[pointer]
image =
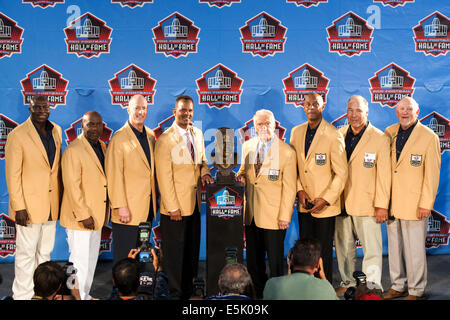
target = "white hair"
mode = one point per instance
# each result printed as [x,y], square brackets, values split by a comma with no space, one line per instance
[411,100]
[265,112]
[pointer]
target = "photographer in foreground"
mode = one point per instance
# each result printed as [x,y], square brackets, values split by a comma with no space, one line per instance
[133,283]
[300,284]
[234,283]
[51,283]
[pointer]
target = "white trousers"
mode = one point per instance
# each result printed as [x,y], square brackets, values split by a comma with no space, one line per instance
[34,244]
[368,232]
[84,247]
[407,255]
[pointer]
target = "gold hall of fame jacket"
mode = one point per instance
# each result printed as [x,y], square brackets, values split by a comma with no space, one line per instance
[85,186]
[131,179]
[323,171]
[269,196]
[369,173]
[32,184]
[179,177]
[415,176]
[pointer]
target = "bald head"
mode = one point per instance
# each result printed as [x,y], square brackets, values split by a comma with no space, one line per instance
[92,126]
[407,111]
[137,111]
[357,112]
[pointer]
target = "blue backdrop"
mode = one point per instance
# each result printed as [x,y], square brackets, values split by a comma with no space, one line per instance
[233,57]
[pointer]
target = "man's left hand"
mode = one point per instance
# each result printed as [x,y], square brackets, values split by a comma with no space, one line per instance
[319,204]
[423,213]
[283,225]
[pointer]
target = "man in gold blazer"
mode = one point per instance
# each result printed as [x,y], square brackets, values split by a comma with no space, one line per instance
[85,205]
[182,169]
[130,172]
[416,163]
[269,172]
[322,168]
[365,198]
[33,177]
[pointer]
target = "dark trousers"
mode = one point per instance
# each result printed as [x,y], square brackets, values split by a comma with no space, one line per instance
[180,245]
[321,229]
[125,238]
[258,242]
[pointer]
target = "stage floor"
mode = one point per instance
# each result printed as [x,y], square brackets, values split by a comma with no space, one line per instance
[438,287]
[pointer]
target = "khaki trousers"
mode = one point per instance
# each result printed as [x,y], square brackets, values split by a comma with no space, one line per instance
[34,244]
[368,232]
[407,255]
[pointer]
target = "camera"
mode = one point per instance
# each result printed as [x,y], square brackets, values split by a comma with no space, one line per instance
[69,279]
[362,291]
[231,255]
[199,288]
[145,247]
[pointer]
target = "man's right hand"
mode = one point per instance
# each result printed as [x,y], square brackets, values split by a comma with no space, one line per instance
[175,215]
[22,218]
[124,215]
[302,196]
[88,223]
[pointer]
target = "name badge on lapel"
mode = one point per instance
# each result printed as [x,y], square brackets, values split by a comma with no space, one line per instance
[274,174]
[416,160]
[369,160]
[321,159]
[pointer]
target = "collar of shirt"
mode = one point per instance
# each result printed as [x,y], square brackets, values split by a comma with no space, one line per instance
[137,132]
[407,131]
[48,127]
[183,132]
[359,134]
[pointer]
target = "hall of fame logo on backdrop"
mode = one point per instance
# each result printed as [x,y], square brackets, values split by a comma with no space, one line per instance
[75,130]
[350,35]
[130,81]
[176,36]
[43,3]
[440,125]
[219,87]
[302,81]
[432,36]
[163,126]
[263,35]
[248,131]
[219,3]
[438,230]
[307,3]
[88,36]
[10,36]
[47,82]
[390,85]
[7,236]
[340,122]
[225,203]
[393,3]
[132,3]
[6,126]
[106,240]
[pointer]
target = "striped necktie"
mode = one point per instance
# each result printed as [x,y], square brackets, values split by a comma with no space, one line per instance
[259,160]
[190,146]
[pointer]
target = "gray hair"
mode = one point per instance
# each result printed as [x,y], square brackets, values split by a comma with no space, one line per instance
[235,279]
[359,98]
[265,112]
